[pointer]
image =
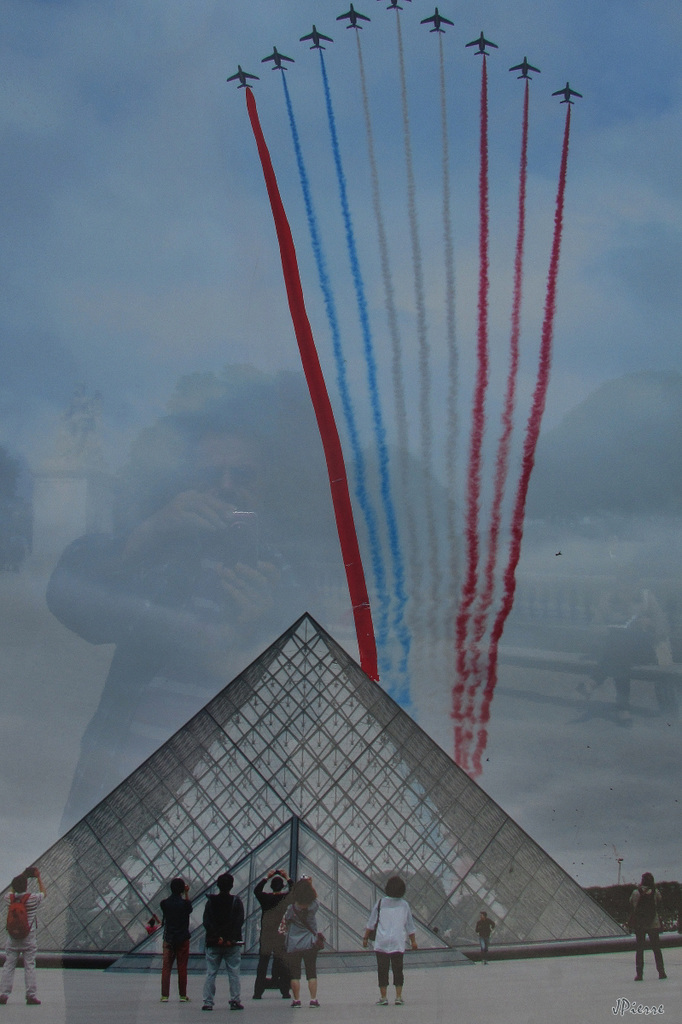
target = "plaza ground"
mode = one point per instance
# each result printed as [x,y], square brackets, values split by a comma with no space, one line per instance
[552,990]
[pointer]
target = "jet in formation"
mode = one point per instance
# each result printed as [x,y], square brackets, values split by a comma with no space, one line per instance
[481,43]
[242,76]
[277,58]
[524,67]
[567,92]
[316,36]
[353,16]
[437,20]
[395,6]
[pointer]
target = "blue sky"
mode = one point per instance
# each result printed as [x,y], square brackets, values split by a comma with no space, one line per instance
[138,243]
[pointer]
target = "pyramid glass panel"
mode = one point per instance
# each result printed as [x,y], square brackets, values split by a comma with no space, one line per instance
[303,734]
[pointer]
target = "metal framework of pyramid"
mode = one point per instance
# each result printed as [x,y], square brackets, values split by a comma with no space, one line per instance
[303,734]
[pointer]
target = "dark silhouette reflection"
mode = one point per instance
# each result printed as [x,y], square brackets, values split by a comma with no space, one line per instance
[224,526]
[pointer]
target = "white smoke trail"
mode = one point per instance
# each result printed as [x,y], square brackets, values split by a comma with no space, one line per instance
[453,362]
[424,359]
[414,562]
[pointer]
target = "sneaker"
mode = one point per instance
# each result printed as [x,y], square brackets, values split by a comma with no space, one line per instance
[235,1004]
[381,1002]
[32,1001]
[3,999]
[207,1006]
[638,977]
[662,975]
[400,1001]
[184,999]
[163,999]
[295,1002]
[314,1002]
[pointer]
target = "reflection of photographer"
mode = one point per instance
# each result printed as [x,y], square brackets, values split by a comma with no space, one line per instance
[22,908]
[193,584]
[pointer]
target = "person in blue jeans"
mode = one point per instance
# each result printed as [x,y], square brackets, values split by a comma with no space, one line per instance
[223,921]
[484,927]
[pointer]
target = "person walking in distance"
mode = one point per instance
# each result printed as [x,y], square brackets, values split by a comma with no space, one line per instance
[644,920]
[22,935]
[176,910]
[484,927]
[223,920]
[391,923]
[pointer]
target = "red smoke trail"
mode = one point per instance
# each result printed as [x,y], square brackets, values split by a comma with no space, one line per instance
[323,411]
[504,447]
[477,427]
[528,460]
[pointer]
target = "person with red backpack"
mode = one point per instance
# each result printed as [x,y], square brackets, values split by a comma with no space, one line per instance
[22,935]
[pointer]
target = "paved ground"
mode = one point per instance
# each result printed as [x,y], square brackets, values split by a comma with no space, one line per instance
[566,990]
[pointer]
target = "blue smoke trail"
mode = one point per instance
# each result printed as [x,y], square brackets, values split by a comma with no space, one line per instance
[399,623]
[378,567]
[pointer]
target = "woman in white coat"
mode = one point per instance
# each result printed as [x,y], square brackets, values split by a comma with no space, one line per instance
[392,918]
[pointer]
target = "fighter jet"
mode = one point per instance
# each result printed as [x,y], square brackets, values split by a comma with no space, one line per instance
[353,16]
[524,67]
[481,43]
[242,76]
[316,36]
[437,20]
[567,92]
[395,6]
[277,57]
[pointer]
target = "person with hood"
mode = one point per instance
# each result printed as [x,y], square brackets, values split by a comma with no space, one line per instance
[644,920]
[223,921]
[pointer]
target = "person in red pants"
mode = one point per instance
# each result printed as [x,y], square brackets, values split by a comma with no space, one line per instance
[176,910]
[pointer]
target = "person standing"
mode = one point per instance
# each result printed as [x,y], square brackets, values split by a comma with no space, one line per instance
[484,927]
[271,941]
[223,921]
[22,934]
[644,920]
[176,910]
[301,943]
[392,918]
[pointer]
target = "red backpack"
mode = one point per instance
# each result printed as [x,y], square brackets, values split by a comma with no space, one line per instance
[18,925]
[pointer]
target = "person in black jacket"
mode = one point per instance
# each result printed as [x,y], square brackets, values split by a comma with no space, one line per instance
[272,904]
[645,901]
[223,920]
[176,910]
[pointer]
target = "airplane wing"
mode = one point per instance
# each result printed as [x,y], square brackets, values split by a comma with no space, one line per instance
[432,18]
[241,75]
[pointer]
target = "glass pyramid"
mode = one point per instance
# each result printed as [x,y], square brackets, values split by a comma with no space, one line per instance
[303,734]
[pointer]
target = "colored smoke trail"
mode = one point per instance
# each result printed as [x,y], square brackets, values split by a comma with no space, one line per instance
[424,355]
[473,496]
[528,459]
[396,349]
[369,513]
[504,446]
[453,355]
[336,469]
[375,401]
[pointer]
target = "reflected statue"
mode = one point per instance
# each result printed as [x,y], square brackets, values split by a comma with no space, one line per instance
[79,443]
